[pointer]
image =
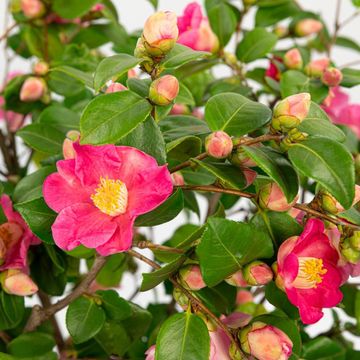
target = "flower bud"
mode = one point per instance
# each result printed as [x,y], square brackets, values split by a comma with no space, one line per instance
[68,149]
[281,31]
[355,240]
[181,298]
[32,9]
[237,279]
[98,7]
[180,109]
[150,353]
[16,282]
[240,158]
[291,111]
[191,278]
[160,33]
[41,68]
[316,68]
[10,234]
[250,176]
[164,90]
[293,59]
[177,179]
[332,77]
[115,87]
[243,297]
[308,27]
[257,273]
[348,252]
[331,205]
[218,145]
[271,197]
[33,89]
[264,341]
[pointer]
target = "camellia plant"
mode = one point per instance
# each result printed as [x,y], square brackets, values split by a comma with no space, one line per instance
[97,150]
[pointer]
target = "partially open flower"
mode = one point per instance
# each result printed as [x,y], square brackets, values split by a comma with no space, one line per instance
[191,278]
[316,68]
[219,145]
[308,27]
[257,273]
[16,282]
[33,89]
[68,149]
[332,76]
[115,87]
[32,8]
[293,59]
[163,91]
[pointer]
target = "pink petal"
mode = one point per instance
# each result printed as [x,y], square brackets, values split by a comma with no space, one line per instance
[310,315]
[189,38]
[290,269]
[286,248]
[82,224]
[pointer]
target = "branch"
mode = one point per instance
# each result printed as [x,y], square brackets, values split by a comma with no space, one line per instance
[7,32]
[150,245]
[39,314]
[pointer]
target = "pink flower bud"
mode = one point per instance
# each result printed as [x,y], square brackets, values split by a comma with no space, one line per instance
[16,282]
[281,31]
[177,179]
[160,33]
[308,27]
[191,278]
[41,68]
[237,279]
[164,90]
[132,74]
[218,145]
[68,149]
[265,342]
[257,273]
[115,87]
[150,353]
[271,197]
[316,67]
[331,205]
[243,297]
[33,89]
[250,176]
[10,235]
[293,59]
[240,158]
[32,8]
[332,77]
[289,112]
[98,7]
[180,109]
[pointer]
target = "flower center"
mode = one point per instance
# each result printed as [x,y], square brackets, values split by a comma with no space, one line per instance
[111,197]
[311,271]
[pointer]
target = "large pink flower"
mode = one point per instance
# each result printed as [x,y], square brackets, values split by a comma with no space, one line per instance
[99,194]
[15,238]
[307,270]
[195,31]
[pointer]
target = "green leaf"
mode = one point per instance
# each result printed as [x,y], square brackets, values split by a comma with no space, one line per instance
[356,3]
[150,280]
[84,319]
[31,344]
[110,117]
[181,55]
[112,68]
[277,167]
[39,217]
[43,138]
[347,42]
[182,149]
[255,45]
[111,273]
[115,307]
[235,114]
[183,337]
[351,77]
[12,310]
[352,215]
[323,348]
[60,118]
[267,16]
[329,163]
[73,9]
[154,3]
[222,254]
[165,212]
[81,76]
[185,96]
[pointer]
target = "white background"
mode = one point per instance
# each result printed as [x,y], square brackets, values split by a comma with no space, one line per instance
[133,14]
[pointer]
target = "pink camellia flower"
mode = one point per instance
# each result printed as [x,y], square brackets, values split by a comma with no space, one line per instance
[68,149]
[271,197]
[308,27]
[15,238]
[191,278]
[293,59]
[273,70]
[160,33]
[150,353]
[265,342]
[316,68]
[195,31]
[291,111]
[218,145]
[163,91]
[33,89]
[257,273]
[332,76]
[17,282]
[32,8]
[99,194]
[115,87]
[308,272]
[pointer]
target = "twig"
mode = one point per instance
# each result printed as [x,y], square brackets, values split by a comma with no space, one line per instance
[351,63]
[7,31]
[349,19]
[188,163]
[336,25]
[39,314]
[150,245]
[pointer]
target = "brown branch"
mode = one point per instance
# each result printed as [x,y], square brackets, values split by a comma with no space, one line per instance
[7,32]
[39,314]
[349,19]
[188,163]
[336,25]
[150,245]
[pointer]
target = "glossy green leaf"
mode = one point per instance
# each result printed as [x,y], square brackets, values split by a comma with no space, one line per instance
[112,68]
[351,77]
[235,114]
[183,337]
[73,9]
[60,118]
[116,308]
[180,55]
[267,16]
[255,45]
[12,310]
[183,148]
[352,215]
[110,117]
[31,344]
[221,253]
[329,163]
[347,42]
[81,76]
[323,348]
[185,96]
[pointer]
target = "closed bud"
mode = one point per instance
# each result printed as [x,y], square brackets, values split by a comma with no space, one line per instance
[16,282]
[98,7]
[41,68]
[163,91]
[33,89]
[235,353]
[316,68]
[308,27]
[160,33]
[177,179]
[331,205]
[355,240]
[150,353]
[240,158]
[32,9]
[293,59]
[237,279]
[115,87]
[281,31]
[181,298]
[250,176]
[348,252]
[291,111]
[191,278]
[271,197]
[68,149]
[180,109]
[264,341]
[244,297]
[218,145]
[257,273]
[332,77]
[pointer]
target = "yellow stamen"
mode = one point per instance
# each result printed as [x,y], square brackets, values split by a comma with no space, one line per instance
[111,197]
[311,271]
